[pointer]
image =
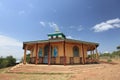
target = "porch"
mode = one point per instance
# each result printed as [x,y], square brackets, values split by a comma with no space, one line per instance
[60,60]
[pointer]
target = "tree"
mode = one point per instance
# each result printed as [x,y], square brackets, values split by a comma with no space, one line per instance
[118,47]
[11,60]
[8,61]
[28,58]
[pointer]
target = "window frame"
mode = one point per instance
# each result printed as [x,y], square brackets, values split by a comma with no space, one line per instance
[41,52]
[75,51]
[53,54]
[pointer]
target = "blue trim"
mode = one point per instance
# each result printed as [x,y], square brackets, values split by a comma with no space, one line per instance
[55,54]
[40,52]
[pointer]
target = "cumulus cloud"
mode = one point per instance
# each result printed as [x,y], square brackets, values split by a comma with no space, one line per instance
[106,52]
[72,27]
[69,37]
[54,25]
[104,26]
[43,23]
[50,24]
[10,46]
[8,41]
[78,28]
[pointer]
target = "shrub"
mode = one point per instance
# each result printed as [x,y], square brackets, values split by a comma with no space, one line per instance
[109,60]
[8,61]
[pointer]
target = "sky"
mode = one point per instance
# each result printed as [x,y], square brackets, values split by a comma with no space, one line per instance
[86,20]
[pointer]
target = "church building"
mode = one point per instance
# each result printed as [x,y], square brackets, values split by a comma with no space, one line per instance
[60,50]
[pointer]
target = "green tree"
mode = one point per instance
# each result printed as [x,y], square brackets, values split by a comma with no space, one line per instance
[28,58]
[11,60]
[4,63]
[118,47]
[8,61]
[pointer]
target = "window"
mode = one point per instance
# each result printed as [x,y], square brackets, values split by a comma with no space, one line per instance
[40,52]
[49,37]
[54,36]
[59,36]
[55,52]
[75,51]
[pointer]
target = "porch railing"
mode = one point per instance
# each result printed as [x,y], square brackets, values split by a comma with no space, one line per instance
[72,60]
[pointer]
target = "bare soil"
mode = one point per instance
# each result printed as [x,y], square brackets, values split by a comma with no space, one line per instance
[102,71]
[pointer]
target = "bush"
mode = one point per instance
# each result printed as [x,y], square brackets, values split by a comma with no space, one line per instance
[28,58]
[109,60]
[11,60]
[8,61]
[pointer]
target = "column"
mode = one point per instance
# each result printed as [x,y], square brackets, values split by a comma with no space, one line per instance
[49,54]
[25,50]
[96,52]
[91,54]
[64,54]
[36,61]
[83,58]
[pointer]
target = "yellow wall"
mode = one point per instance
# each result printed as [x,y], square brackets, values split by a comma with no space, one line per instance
[68,51]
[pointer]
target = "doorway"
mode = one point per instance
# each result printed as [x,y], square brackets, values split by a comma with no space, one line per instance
[46,52]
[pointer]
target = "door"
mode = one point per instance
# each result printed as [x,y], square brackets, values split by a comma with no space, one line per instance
[46,51]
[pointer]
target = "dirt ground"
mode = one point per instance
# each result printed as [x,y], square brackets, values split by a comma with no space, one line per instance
[103,71]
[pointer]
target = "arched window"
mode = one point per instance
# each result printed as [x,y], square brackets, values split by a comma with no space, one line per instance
[55,52]
[40,52]
[75,51]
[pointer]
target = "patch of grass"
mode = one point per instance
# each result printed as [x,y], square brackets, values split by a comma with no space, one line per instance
[4,70]
[44,73]
[109,60]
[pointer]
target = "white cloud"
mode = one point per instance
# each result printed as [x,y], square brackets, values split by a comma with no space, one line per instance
[54,25]
[43,23]
[69,37]
[50,24]
[80,28]
[106,52]
[21,12]
[104,26]
[71,27]
[8,41]
[10,46]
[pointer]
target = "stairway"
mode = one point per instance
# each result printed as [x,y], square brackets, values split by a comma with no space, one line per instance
[32,68]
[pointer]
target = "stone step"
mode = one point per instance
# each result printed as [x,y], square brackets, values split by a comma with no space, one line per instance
[40,69]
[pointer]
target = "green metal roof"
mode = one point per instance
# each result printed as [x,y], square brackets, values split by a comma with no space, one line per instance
[56,34]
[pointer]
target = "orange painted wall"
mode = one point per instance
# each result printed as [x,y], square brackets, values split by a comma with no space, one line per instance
[68,51]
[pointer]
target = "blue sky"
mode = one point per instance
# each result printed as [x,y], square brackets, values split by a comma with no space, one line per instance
[87,20]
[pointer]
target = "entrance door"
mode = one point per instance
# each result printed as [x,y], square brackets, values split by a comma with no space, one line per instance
[46,51]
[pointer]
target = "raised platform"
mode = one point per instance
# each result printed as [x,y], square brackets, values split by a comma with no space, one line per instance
[32,68]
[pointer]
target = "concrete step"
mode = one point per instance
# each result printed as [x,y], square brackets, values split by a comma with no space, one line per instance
[40,68]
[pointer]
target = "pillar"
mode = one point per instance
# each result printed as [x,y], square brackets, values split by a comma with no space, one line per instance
[64,54]
[36,61]
[91,54]
[25,50]
[49,55]
[83,57]
[96,52]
